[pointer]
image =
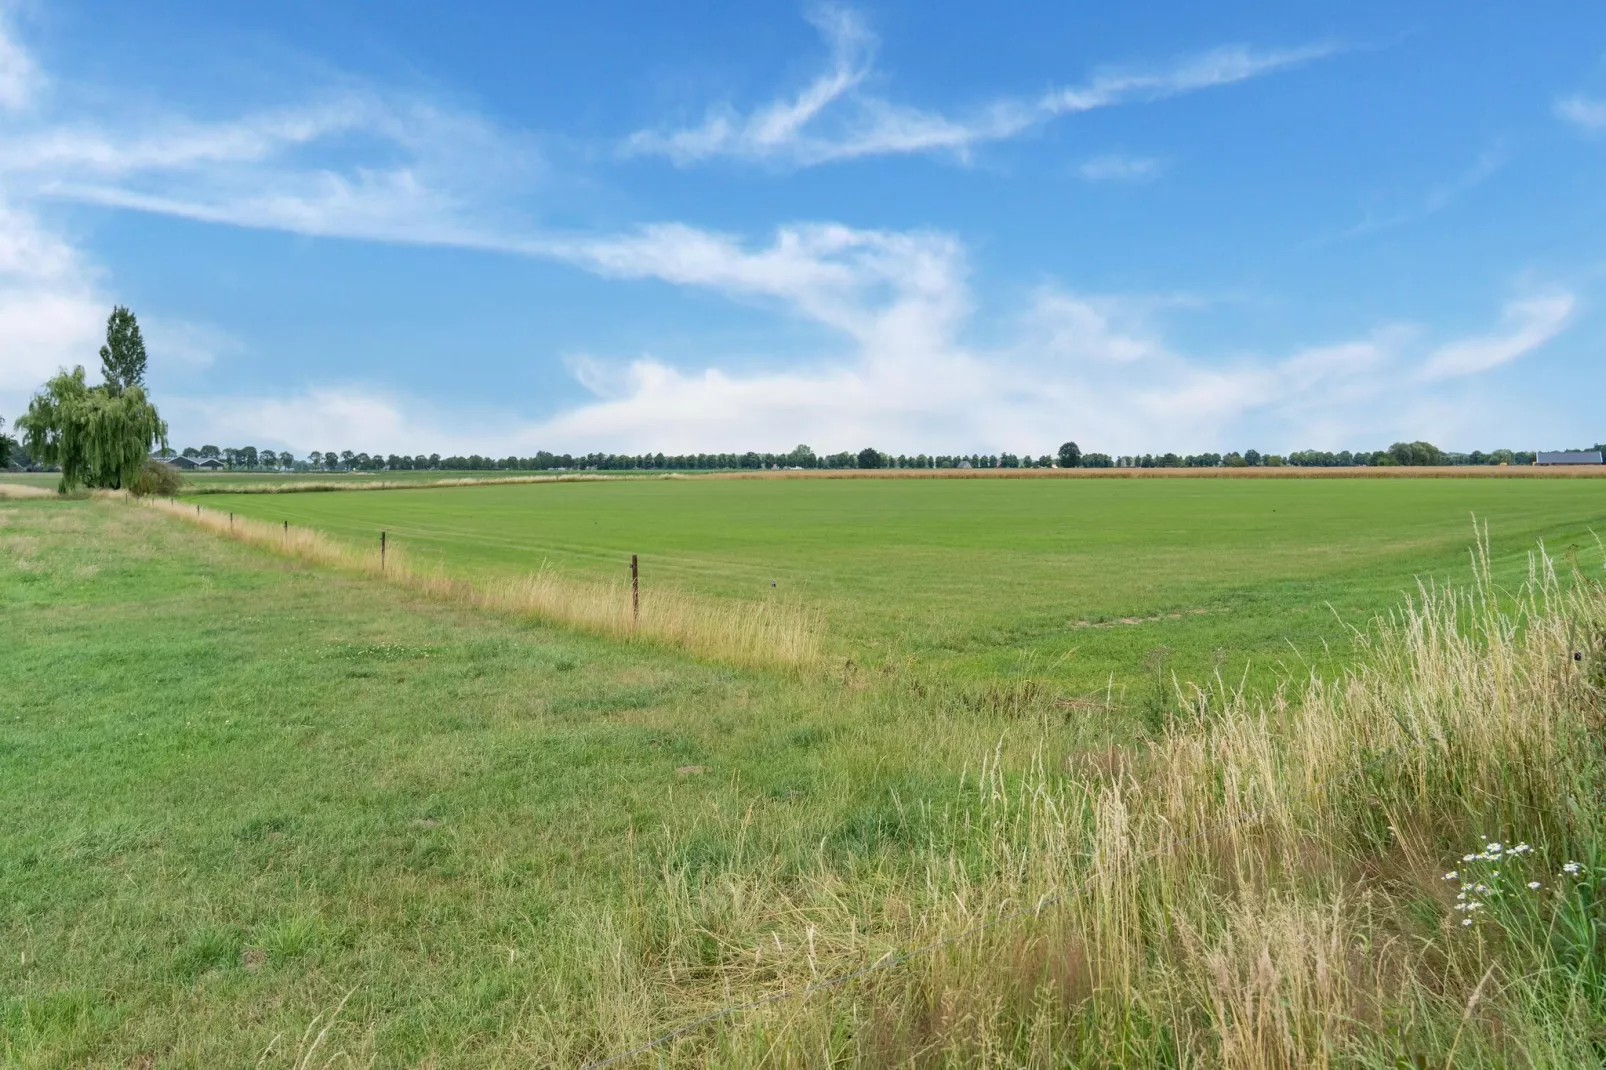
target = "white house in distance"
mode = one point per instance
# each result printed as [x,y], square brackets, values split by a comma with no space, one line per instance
[1568,457]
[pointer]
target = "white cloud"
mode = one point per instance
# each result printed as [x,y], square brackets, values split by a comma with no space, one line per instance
[908,380]
[339,418]
[19,75]
[180,347]
[835,118]
[50,314]
[1529,324]
[1097,367]
[407,171]
[1115,167]
[1586,113]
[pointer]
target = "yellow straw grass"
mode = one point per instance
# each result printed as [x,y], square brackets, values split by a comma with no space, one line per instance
[22,490]
[768,633]
[1231,894]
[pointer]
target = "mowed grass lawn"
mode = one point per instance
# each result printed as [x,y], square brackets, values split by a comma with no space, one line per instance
[1083,581]
[237,791]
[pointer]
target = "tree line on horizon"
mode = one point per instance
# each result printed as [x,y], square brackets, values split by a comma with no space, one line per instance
[1408,454]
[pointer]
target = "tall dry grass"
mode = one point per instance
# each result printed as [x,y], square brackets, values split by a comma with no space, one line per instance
[23,490]
[1261,886]
[768,633]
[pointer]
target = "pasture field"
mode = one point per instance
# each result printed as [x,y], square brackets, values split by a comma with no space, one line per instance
[264,813]
[1108,588]
[237,789]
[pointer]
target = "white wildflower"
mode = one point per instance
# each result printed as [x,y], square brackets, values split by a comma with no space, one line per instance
[1466,921]
[1450,876]
[1533,884]
[1571,867]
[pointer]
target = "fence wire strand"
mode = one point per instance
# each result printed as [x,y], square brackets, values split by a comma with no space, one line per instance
[893,959]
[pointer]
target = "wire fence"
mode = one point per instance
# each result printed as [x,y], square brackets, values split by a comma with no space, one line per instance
[892,960]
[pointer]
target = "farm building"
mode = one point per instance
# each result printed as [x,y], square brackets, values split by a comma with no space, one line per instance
[1568,457]
[192,464]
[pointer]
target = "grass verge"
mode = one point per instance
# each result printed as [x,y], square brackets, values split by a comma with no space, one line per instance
[772,633]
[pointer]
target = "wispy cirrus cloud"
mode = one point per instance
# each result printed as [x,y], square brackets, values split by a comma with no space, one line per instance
[1588,114]
[834,117]
[1439,198]
[1527,324]
[1118,167]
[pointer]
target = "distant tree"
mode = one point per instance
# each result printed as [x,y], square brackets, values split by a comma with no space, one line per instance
[191,451]
[268,459]
[8,445]
[249,456]
[1416,454]
[122,358]
[347,458]
[869,457]
[315,458]
[434,460]
[211,452]
[286,459]
[231,456]
[1252,458]
[97,437]
[1070,455]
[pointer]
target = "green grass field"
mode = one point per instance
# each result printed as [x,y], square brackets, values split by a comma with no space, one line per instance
[263,813]
[238,789]
[1082,581]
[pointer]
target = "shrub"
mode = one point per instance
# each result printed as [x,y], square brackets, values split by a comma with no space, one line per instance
[156,479]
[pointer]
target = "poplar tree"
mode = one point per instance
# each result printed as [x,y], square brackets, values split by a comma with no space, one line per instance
[122,358]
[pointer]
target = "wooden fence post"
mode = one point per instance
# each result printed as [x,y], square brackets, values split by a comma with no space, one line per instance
[635,592]
[382,551]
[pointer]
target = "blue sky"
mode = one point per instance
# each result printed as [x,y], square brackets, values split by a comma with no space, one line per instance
[925,227]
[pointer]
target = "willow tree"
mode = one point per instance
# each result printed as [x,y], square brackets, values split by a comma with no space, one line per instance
[100,436]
